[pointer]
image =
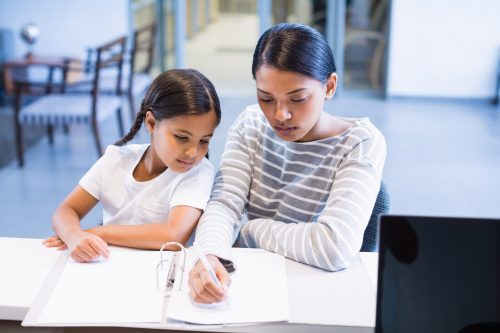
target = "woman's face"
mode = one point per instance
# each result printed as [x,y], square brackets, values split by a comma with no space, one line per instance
[292,102]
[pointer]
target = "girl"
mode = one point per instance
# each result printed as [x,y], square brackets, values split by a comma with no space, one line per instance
[306,179]
[150,193]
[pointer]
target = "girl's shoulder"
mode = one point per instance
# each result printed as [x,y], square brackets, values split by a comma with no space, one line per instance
[204,166]
[132,151]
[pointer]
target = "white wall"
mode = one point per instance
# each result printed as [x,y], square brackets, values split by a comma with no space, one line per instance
[444,48]
[68,27]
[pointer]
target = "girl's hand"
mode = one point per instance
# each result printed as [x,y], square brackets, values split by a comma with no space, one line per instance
[202,288]
[85,247]
[55,241]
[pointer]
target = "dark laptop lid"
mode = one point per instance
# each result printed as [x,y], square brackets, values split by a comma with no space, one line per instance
[438,274]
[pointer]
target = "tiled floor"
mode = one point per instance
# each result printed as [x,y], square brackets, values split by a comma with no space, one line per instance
[443,159]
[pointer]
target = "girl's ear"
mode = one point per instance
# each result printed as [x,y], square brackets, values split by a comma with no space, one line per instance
[331,86]
[150,122]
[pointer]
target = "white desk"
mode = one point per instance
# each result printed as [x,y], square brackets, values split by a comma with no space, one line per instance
[319,301]
[25,264]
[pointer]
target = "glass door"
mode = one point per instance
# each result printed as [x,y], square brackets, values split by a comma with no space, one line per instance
[365,45]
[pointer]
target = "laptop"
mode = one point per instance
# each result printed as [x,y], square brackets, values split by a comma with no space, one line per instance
[438,274]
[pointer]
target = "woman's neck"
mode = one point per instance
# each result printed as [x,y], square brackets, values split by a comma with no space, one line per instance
[327,126]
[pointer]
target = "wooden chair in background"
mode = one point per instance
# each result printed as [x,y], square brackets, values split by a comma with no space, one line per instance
[65,108]
[141,63]
[136,76]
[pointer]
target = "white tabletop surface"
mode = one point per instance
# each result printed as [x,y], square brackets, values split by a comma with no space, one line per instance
[25,264]
[316,297]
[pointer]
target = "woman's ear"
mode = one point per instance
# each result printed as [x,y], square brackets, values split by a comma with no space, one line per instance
[331,86]
[150,122]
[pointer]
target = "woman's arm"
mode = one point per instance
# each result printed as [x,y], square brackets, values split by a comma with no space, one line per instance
[336,237]
[83,246]
[178,228]
[222,217]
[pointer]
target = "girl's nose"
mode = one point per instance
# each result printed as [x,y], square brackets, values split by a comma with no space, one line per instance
[192,151]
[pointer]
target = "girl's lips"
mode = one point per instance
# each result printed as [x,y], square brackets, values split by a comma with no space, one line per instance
[185,163]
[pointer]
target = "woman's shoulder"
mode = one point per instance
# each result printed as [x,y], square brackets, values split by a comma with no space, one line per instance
[362,129]
[252,113]
[251,118]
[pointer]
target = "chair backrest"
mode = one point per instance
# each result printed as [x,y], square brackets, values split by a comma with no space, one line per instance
[143,49]
[110,56]
[382,205]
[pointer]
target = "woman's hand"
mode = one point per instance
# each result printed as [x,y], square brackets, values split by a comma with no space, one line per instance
[55,241]
[85,246]
[202,288]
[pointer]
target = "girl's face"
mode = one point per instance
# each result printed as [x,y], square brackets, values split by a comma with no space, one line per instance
[292,102]
[180,143]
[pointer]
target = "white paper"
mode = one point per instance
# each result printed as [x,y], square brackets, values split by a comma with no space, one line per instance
[258,292]
[122,289]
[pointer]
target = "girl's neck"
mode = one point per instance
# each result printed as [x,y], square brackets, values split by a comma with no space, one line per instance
[148,167]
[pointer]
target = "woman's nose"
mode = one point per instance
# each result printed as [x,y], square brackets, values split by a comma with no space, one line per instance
[282,113]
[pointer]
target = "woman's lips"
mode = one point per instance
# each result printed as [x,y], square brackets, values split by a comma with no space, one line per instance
[285,129]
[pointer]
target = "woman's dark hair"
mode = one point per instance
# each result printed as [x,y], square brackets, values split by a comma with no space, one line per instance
[176,92]
[295,48]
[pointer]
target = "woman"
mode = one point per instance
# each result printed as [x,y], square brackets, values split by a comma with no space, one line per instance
[307,180]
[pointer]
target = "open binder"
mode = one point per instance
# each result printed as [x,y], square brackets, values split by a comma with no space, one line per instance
[136,287]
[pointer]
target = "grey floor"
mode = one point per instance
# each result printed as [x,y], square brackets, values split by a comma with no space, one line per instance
[443,159]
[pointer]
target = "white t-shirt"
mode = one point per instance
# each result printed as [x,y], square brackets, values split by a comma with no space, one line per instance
[127,201]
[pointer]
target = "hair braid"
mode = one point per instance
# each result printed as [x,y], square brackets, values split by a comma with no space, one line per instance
[135,127]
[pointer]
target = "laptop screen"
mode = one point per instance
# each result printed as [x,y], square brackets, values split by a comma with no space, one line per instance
[438,274]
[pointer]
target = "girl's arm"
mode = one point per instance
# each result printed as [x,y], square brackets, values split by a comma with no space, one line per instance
[178,228]
[66,219]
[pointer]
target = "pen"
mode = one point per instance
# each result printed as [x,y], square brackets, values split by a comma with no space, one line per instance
[204,261]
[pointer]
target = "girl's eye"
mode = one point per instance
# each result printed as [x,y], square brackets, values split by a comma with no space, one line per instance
[204,142]
[298,100]
[181,138]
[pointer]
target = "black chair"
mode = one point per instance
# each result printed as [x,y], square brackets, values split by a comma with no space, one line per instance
[67,108]
[382,205]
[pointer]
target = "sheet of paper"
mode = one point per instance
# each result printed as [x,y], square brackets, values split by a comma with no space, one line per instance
[122,289]
[258,292]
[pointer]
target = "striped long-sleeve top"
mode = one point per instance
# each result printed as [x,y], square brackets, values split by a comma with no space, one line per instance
[308,201]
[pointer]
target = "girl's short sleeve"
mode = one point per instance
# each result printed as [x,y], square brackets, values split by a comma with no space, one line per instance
[92,180]
[195,188]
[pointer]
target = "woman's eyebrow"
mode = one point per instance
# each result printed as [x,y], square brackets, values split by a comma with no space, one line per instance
[295,91]
[288,93]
